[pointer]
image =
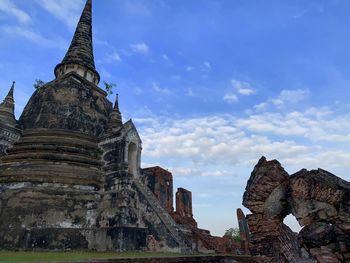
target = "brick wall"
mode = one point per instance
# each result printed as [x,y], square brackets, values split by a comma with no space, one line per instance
[160,181]
[183,214]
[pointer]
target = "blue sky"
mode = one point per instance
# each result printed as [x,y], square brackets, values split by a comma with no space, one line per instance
[211,85]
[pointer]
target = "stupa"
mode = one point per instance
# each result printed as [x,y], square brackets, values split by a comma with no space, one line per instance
[70,174]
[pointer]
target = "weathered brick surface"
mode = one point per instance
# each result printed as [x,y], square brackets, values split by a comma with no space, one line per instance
[184,202]
[267,180]
[289,245]
[160,181]
[183,214]
[244,231]
[317,198]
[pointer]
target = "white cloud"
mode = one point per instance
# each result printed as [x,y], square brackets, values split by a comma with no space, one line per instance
[242,87]
[138,91]
[261,106]
[189,68]
[167,60]
[207,66]
[217,173]
[140,48]
[190,93]
[211,140]
[316,128]
[111,58]
[105,73]
[246,92]
[115,57]
[290,96]
[34,37]
[67,11]
[184,171]
[165,57]
[220,145]
[276,123]
[299,14]
[10,8]
[139,8]
[102,43]
[239,88]
[157,88]
[285,97]
[230,98]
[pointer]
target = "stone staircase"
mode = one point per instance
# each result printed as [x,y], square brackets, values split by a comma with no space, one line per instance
[168,221]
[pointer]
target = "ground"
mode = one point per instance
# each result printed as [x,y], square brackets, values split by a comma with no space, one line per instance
[20,256]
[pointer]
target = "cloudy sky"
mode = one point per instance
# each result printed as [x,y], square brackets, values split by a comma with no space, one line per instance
[211,85]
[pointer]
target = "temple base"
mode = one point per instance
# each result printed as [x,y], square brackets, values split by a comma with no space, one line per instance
[104,239]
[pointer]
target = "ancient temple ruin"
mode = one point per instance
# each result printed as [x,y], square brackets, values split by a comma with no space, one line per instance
[70,175]
[71,178]
[319,200]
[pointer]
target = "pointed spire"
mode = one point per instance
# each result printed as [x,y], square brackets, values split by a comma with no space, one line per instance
[7,107]
[115,118]
[8,103]
[116,103]
[10,94]
[80,52]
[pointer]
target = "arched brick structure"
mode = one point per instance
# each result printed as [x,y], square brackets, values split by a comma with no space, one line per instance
[318,199]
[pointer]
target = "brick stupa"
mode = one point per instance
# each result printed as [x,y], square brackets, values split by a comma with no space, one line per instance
[70,175]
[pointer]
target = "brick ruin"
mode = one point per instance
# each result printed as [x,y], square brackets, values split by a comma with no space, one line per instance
[70,175]
[244,232]
[160,182]
[319,200]
[183,214]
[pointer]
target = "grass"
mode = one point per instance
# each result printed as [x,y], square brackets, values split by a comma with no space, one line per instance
[22,256]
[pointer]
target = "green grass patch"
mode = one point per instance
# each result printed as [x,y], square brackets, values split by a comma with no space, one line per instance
[23,256]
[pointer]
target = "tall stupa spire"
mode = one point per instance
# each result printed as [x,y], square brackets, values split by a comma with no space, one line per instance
[116,104]
[80,56]
[7,107]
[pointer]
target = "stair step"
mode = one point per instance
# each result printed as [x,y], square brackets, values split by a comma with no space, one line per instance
[163,214]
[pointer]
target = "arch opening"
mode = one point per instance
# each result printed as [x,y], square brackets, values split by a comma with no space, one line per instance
[292,222]
[132,159]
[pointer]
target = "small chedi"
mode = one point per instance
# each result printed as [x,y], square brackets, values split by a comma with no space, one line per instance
[9,133]
[319,200]
[70,175]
